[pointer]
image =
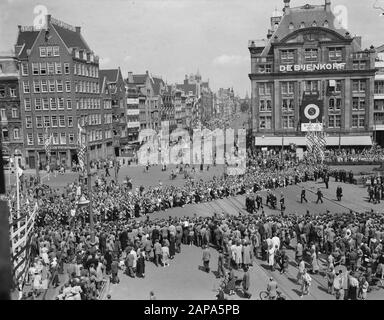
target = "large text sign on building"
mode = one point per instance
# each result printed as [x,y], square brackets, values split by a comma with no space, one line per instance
[312,67]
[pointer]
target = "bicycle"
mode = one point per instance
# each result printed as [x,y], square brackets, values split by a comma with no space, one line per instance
[264,295]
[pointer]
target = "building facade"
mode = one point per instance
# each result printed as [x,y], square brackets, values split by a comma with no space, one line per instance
[379,97]
[133,113]
[59,84]
[10,113]
[310,73]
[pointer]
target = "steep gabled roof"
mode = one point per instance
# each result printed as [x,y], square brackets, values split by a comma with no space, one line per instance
[187,87]
[72,39]
[110,74]
[139,78]
[157,83]
[26,38]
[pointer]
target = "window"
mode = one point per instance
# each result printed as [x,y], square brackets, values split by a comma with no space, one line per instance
[36,86]
[52,86]
[312,85]
[3,115]
[16,133]
[12,92]
[28,122]
[26,87]
[288,105]
[59,85]
[43,68]
[311,54]
[27,104]
[35,68]
[45,104]
[38,104]
[379,87]
[47,121]
[66,68]
[334,121]
[287,87]
[44,86]
[2,92]
[287,56]
[70,121]
[79,69]
[265,122]
[39,121]
[338,104]
[358,103]
[74,68]
[24,69]
[358,121]
[49,51]
[335,53]
[53,103]
[60,103]
[62,121]
[288,122]
[262,105]
[40,138]
[43,52]
[56,51]
[63,138]
[358,85]
[51,68]
[71,138]
[55,138]
[68,86]
[58,68]
[30,139]
[15,113]
[69,104]
[331,104]
[379,105]
[54,121]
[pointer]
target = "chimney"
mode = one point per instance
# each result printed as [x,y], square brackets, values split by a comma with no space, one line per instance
[48,19]
[78,29]
[19,26]
[130,77]
[327,5]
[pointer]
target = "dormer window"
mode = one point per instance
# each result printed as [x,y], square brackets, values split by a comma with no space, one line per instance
[291,26]
[326,24]
[302,25]
[314,24]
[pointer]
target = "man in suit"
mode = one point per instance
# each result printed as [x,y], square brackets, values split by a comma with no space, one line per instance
[220,265]
[158,252]
[339,193]
[115,271]
[319,196]
[206,258]
[246,283]
[302,197]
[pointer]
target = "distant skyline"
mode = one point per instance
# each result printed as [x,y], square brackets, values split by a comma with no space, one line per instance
[172,38]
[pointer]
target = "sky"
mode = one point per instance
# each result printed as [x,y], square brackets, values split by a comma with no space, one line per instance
[172,38]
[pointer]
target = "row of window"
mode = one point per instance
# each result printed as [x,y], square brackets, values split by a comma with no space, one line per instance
[334,121]
[44,68]
[88,103]
[379,87]
[11,92]
[334,104]
[47,104]
[85,70]
[50,51]
[49,121]
[310,54]
[3,114]
[87,87]
[288,87]
[45,86]
[92,119]
[16,134]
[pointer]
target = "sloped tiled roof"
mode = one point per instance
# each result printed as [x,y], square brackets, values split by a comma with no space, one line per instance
[187,87]
[305,14]
[156,84]
[71,39]
[110,74]
[26,38]
[139,78]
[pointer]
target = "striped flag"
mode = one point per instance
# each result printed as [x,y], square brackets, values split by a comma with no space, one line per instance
[316,143]
[81,148]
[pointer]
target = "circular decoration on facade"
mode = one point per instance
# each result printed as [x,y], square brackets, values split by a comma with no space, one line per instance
[311,111]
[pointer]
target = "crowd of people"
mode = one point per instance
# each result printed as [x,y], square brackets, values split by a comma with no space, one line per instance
[122,244]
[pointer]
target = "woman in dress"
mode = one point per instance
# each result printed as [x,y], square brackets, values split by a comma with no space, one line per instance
[247,255]
[314,262]
[165,256]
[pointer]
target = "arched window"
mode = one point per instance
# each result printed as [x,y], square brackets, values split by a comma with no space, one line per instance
[326,24]
[291,26]
[302,25]
[314,24]
[331,104]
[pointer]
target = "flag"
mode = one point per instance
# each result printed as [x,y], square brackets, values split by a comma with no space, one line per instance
[48,144]
[81,147]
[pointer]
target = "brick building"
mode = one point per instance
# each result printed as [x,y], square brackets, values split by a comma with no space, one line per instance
[310,72]
[59,86]
[379,96]
[10,115]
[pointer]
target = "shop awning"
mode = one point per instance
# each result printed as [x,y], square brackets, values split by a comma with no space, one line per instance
[301,141]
